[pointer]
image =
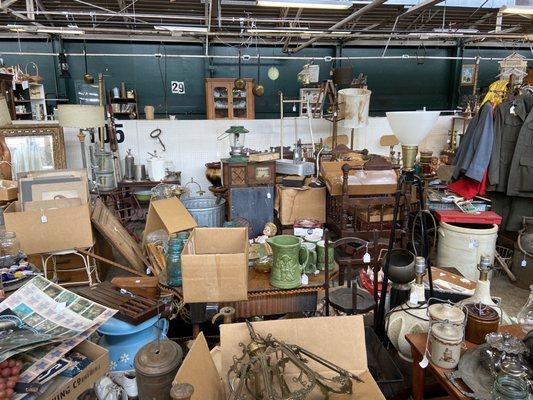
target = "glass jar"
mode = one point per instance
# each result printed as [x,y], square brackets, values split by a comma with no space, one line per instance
[9,249]
[173,260]
[508,387]
[525,315]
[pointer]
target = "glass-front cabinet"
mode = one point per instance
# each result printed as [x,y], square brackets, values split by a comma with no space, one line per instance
[224,101]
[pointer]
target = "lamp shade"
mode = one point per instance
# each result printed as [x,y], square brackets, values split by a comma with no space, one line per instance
[5,116]
[81,116]
[354,109]
[411,127]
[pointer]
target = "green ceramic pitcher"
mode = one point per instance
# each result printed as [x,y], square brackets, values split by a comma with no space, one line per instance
[287,270]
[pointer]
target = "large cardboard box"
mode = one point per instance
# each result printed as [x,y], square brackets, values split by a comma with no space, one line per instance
[214,265]
[168,214]
[49,230]
[74,387]
[298,203]
[340,340]
[368,184]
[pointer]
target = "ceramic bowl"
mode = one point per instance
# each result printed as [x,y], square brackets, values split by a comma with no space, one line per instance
[401,266]
[143,195]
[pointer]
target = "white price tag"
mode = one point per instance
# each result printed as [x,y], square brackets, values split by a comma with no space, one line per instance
[523,263]
[413,298]
[472,244]
[305,279]
[424,363]
[512,111]
[44,219]
[366,258]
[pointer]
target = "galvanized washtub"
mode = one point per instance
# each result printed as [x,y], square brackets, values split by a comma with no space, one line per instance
[207,211]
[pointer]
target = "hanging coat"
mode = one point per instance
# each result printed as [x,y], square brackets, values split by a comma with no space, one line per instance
[473,155]
[521,170]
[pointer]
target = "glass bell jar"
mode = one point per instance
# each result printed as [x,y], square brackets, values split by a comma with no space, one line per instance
[525,315]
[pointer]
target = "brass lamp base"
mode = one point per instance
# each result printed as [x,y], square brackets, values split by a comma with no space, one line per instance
[409,154]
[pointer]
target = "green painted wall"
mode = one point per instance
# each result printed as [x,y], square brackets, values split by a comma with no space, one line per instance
[395,84]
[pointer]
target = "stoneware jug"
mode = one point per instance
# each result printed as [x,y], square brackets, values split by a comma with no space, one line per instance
[286,267]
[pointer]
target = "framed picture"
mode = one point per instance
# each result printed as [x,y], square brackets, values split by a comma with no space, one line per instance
[468,74]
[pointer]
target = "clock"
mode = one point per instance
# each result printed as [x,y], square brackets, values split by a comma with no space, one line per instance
[273,73]
[247,174]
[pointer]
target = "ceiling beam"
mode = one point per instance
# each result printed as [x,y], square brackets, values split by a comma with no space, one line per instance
[4,4]
[421,6]
[367,8]
[40,6]
[22,17]
[287,40]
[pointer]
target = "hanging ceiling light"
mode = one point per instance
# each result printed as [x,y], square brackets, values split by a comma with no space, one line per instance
[324,4]
[61,31]
[173,28]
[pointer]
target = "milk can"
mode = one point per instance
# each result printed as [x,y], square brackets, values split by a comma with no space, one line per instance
[446,343]
[156,365]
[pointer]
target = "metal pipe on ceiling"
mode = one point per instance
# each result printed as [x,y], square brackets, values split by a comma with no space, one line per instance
[340,24]
[326,59]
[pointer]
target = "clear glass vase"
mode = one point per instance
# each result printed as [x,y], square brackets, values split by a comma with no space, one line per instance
[525,315]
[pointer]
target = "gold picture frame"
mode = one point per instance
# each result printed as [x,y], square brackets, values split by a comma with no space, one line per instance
[59,157]
[468,74]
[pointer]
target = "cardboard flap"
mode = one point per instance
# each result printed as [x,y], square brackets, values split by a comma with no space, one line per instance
[347,350]
[169,214]
[199,370]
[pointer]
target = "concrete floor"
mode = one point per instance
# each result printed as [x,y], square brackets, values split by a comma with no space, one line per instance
[513,297]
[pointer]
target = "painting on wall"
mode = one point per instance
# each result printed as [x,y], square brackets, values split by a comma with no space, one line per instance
[468,74]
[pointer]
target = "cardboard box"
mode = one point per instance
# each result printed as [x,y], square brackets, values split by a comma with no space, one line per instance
[10,191]
[74,387]
[45,231]
[168,214]
[344,346]
[214,265]
[374,182]
[298,203]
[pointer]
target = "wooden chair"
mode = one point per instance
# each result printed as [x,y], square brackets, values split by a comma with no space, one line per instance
[347,299]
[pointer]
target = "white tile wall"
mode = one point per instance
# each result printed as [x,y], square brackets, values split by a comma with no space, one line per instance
[192,143]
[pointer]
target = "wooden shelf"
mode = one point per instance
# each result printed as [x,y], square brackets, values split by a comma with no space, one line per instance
[22,101]
[120,100]
[133,113]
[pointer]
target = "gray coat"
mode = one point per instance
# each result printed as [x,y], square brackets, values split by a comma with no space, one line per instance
[473,155]
[521,169]
[507,127]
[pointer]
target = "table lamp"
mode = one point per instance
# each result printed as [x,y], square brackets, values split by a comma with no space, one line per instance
[411,127]
[82,117]
[5,116]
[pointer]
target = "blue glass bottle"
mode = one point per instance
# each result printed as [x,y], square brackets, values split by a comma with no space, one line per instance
[173,260]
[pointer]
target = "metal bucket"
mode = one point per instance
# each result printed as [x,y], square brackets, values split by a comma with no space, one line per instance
[105,181]
[205,210]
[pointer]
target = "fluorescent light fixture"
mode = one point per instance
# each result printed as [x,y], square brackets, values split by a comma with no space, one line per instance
[325,4]
[19,28]
[522,10]
[440,30]
[173,28]
[60,30]
[298,31]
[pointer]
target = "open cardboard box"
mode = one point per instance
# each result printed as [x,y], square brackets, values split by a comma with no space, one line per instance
[340,340]
[168,214]
[9,190]
[293,204]
[72,388]
[214,265]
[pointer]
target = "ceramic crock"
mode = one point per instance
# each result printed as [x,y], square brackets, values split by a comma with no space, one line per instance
[481,320]
[446,343]
[123,340]
[445,312]
[287,270]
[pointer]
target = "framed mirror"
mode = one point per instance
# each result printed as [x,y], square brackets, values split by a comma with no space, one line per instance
[35,147]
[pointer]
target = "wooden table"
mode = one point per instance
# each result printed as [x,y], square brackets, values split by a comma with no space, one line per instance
[418,346]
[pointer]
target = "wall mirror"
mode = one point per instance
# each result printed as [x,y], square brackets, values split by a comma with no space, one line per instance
[35,147]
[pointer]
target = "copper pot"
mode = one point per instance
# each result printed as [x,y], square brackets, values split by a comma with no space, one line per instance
[481,320]
[213,173]
[258,89]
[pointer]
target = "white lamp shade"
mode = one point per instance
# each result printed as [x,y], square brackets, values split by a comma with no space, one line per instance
[5,116]
[411,127]
[81,116]
[354,109]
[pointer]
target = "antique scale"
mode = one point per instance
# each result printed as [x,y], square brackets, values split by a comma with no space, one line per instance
[250,184]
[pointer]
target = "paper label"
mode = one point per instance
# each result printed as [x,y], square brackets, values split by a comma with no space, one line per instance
[305,279]
[44,220]
[366,258]
[512,111]
[523,263]
[413,298]
[424,363]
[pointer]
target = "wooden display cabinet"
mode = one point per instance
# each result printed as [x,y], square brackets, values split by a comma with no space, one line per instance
[223,101]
